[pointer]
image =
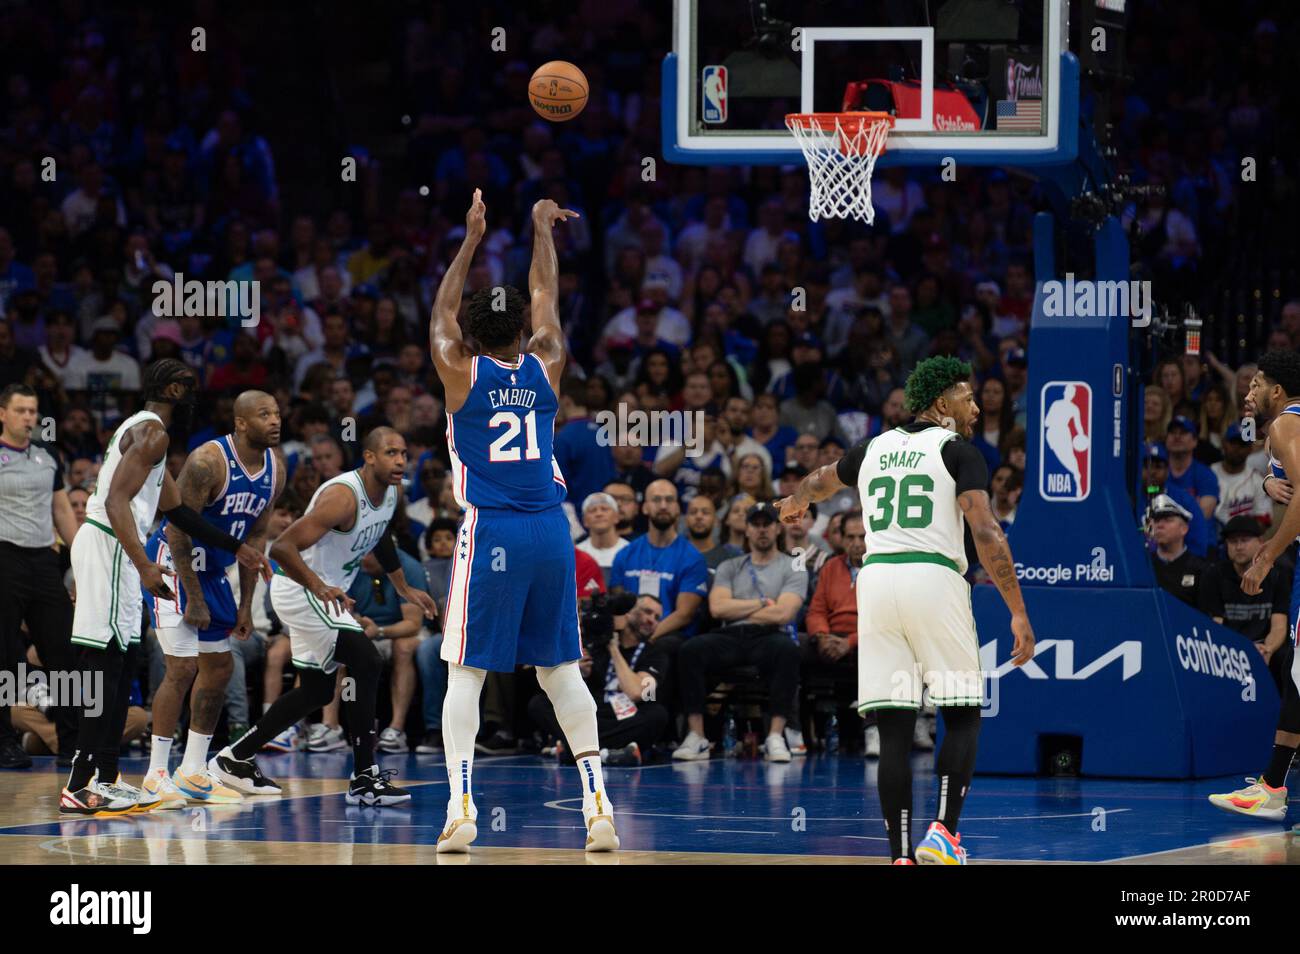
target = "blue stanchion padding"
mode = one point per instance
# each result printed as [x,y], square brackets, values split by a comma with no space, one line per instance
[1153,688]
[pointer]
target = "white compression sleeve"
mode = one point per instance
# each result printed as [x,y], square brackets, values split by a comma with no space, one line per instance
[575,710]
[460,725]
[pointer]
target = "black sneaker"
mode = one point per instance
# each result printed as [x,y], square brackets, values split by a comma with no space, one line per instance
[242,776]
[372,787]
[12,755]
[630,754]
[431,744]
[500,743]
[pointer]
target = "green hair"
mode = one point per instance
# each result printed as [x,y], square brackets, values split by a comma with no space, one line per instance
[931,378]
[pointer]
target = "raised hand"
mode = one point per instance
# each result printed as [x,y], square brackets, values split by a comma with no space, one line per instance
[476,217]
[545,211]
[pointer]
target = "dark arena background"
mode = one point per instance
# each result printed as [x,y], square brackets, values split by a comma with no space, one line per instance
[1093,203]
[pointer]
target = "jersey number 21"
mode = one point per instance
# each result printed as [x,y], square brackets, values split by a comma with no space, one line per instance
[499,452]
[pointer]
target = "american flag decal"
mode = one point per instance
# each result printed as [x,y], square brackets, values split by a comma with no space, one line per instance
[1020,114]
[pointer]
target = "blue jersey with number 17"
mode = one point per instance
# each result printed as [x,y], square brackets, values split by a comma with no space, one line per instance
[501,440]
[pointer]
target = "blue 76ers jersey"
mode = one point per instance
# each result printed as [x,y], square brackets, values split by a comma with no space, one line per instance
[238,505]
[1274,465]
[501,441]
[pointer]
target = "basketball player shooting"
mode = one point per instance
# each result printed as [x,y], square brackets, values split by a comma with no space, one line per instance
[921,484]
[513,596]
[320,554]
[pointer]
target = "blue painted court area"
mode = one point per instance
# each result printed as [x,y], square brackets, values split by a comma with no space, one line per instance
[813,806]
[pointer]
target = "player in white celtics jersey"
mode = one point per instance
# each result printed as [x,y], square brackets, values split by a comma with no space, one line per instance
[318,557]
[921,485]
[111,568]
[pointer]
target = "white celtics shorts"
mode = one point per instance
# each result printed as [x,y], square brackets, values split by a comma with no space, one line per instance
[915,630]
[109,599]
[312,626]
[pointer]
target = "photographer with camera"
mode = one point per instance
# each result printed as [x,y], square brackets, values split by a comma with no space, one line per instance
[621,667]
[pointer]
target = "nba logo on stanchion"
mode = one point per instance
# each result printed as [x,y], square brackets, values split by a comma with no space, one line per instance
[1065,442]
[714,89]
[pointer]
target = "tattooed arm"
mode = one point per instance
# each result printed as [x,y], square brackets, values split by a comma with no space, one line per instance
[201,477]
[820,485]
[995,557]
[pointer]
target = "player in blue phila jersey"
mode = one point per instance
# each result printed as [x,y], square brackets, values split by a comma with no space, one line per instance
[233,482]
[513,596]
[1274,400]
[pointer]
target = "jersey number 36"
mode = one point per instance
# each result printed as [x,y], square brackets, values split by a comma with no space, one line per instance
[915,508]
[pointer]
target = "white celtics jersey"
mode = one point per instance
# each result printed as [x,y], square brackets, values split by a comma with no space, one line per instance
[909,500]
[145,504]
[336,557]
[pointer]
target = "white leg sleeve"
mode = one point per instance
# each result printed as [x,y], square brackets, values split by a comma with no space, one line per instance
[575,710]
[460,724]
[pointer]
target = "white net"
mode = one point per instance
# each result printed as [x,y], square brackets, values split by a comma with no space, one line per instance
[841,150]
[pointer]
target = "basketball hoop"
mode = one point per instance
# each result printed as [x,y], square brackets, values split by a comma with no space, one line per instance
[841,149]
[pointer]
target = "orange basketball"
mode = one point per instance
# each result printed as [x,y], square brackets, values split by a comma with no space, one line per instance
[558,91]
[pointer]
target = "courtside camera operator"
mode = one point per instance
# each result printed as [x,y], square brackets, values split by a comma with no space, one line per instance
[621,669]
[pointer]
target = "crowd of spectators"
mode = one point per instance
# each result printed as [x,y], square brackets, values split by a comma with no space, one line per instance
[702,290]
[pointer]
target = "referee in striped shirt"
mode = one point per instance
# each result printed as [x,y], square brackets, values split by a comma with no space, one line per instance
[33,503]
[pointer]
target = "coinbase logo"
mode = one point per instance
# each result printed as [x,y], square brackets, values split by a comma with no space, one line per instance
[1065,441]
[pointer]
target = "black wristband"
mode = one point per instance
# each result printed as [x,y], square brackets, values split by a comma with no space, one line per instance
[189,522]
[386,554]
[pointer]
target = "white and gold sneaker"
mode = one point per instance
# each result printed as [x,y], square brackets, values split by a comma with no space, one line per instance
[461,828]
[598,813]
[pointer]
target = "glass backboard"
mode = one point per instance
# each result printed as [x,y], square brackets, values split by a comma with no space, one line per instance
[975,79]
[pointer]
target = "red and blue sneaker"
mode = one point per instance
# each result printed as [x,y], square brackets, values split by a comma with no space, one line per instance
[940,847]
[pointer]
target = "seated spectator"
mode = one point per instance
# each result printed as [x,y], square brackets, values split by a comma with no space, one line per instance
[1155,475]
[756,597]
[1005,488]
[807,412]
[736,414]
[1178,570]
[701,528]
[830,645]
[1185,470]
[622,678]
[1262,617]
[753,476]
[806,546]
[600,517]
[441,544]
[663,564]
[1241,491]
[631,520]
[673,460]
[768,431]
[395,627]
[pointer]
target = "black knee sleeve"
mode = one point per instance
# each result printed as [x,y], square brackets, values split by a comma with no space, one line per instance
[318,686]
[357,652]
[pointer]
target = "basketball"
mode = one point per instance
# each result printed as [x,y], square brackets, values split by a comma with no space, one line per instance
[1080,442]
[558,91]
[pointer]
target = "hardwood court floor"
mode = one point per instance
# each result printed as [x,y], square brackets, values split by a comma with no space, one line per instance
[818,810]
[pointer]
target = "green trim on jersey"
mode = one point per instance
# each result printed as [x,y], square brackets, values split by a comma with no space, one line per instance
[914,557]
[108,530]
